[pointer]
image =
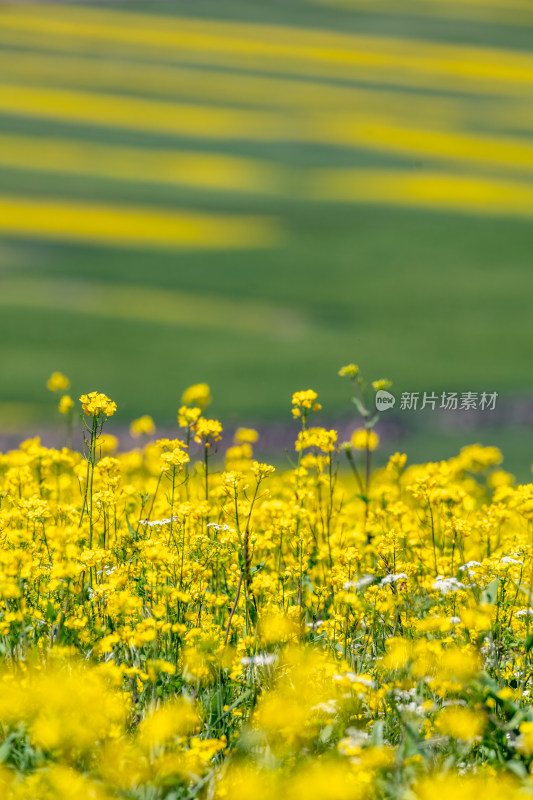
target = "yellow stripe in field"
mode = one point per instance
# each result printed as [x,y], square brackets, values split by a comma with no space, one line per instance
[142,115]
[257,90]
[427,190]
[133,226]
[389,136]
[364,132]
[152,304]
[202,84]
[281,48]
[178,168]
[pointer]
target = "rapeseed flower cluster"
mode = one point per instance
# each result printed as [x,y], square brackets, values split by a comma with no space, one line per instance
[178,626]
[95,404]
[303,402]
[142,426]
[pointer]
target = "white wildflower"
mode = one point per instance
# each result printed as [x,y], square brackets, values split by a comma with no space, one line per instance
[217,527]
[469,565]
[401,576]
[445,585]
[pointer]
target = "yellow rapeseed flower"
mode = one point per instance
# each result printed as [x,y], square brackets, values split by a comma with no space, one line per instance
[363,439]
[245,436]
[106,443]
[349,371]
[208,429]
[525,740]
[383,383]
[460,723]
[174,719]
[57,382]
[96,404]
[142,425]
[173,459]
[199,394]
[262,470]
[304,400]
[317,437]
[188,416]
[66,404]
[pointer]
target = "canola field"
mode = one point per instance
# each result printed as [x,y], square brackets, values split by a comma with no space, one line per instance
[252,192]
[247,191]
[179,623]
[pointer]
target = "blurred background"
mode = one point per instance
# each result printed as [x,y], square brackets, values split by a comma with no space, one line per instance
[253,194]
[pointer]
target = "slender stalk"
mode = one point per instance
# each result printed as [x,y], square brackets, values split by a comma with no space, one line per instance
[206,462]
[233,609]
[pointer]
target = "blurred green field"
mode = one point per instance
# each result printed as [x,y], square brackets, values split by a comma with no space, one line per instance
[434,294]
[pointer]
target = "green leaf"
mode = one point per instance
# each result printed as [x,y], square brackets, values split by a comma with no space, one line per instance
[252,612]
[514,723]
[131,531]
[376,738]
[359,406]
[51,612]
[518,768]
[528,644]
[325,733]
[490,592]
[5,749]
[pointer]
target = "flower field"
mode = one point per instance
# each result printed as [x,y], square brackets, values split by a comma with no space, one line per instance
[183,621]
[249,191]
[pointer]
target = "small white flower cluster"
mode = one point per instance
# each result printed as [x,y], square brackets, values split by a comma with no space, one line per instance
[525,612]
[217,527]
[509,560]
[158,522]
[405,695]
[408,700]
[488,648]
[445,585]
[401,576]
[107,570]
[468,566]
[260,660]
